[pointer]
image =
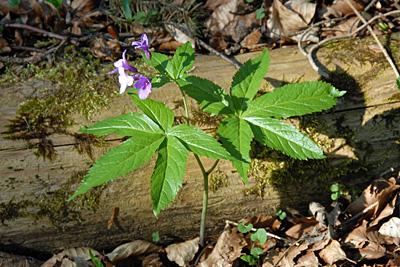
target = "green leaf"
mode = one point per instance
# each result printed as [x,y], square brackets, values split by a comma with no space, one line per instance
[157,111]
[236,136]
[244,228]
[260,13]
[95,260]
[182,61]
[256,251]
[168,173]
[56,3]
[250,259]
[155,237]
[335,196]
[335,187]
[211,97]
[398,83]
[199,142]
[120,160]
[159,81]
[160,62]
[129,124]
[285,138]
[295,100]
[14,3]
[281,214]
[126,9]
[247,80]
[260,235]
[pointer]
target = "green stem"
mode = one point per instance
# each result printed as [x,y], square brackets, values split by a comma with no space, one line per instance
[205,201]
[185,106]
[205,179]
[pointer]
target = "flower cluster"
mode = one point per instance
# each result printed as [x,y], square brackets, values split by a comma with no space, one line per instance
[140,82]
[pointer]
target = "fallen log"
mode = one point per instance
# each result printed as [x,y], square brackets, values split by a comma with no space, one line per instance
[360,137]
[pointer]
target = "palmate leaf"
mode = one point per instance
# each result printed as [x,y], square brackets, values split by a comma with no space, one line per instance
[236,136]
[168,173]
[157,111]
[120,160]
[247,80]
[199,142]
[130,124]
[284,137]
[295,100]
[160,62]
[182,60]
[211,97]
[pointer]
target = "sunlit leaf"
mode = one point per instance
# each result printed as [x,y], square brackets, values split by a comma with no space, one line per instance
[285,138]
[199,142]
[157,111]
[168,173]
[120,160]
[236,136]
[129,124]
[295,100]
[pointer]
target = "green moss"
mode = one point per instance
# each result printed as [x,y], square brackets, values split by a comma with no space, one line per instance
[53,205]
[218,179]
[74,87]
[12,210]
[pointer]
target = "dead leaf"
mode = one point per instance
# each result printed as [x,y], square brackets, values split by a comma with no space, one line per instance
[341,7]
[318,212]
[373,198]
[391,227]
[372,251]
[305,226]
[386,212]
[180,34]
[134,248]
[309,259]
[227,249]
[251,39]
[183,253]
[292,253]
[4,47]
[286,20]
[225,21]
[169,46]
[71,257]
[152,260]
[332,253]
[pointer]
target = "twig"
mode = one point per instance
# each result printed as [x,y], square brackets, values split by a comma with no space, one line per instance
[385,53]
[233,61]
[34,29]
[393,12]
[254,229]
[32,59]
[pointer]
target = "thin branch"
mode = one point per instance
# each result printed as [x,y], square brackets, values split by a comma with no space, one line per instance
[385,53]
[34,29]
[233,61]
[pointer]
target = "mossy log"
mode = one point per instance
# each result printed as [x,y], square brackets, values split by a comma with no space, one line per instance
[360,137]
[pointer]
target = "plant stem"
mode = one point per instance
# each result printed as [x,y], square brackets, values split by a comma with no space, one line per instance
[185,106]
[205,179]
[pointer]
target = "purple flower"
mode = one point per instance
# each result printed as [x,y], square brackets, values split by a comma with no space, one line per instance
[122,65]
[143,44]
[125,80]
[143,85]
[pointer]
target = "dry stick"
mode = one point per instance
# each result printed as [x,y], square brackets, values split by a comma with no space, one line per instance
[233,61]
[395,70]
[311,53]
[254,229]
[33,29]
